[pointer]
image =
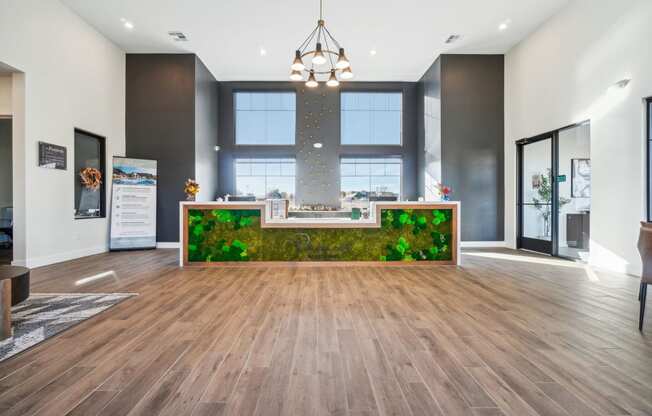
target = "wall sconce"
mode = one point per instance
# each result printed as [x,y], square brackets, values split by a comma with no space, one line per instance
[623,83]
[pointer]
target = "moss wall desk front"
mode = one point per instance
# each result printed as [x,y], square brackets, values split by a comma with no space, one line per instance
[226,233]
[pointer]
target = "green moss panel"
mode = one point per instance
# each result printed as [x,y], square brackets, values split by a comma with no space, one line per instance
[221,235]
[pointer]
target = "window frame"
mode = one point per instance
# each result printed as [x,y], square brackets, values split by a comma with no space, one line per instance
[266,158]
[234,104]
[102,162]
[648,147]
[399,158]
[364,91]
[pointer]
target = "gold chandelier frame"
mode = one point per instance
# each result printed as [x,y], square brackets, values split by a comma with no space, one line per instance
[320,56]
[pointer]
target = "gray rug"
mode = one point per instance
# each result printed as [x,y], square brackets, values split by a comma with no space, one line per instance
[45,315]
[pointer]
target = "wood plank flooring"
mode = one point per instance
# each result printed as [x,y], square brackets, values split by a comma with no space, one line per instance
[503,334]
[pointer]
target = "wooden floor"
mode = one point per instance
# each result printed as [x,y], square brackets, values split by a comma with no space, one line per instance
[504,334]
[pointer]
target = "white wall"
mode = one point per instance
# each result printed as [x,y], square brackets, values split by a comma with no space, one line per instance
[564,73]
[73,77]
[5,94]
[5,140]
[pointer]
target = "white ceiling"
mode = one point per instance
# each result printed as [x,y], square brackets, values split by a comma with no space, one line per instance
[228,34]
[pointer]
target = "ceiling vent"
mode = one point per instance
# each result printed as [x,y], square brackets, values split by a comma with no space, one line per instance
[452,38]
[178,36]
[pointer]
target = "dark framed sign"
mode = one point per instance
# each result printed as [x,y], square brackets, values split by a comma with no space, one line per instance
[52,156]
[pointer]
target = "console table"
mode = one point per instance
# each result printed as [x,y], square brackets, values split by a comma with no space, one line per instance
[14,288]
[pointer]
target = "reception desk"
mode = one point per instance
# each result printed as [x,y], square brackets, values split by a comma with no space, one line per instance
[220,233]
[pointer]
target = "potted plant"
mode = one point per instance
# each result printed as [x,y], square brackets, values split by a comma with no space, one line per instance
[444,191]
[542,202]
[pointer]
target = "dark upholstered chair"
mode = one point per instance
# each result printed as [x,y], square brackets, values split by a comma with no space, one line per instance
[645,248]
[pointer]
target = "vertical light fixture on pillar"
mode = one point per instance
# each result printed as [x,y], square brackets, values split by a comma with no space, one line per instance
[321,59]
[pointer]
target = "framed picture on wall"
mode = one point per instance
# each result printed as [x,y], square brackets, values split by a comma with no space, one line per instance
[580,178]
[536,181]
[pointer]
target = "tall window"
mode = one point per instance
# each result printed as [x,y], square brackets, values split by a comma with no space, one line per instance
[649,159]
[89,160]
[265,178]
[371,118]
[365,179]
[265,118]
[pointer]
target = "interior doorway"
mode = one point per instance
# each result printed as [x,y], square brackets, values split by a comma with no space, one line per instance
[6,166]
[554,192]
[6,194]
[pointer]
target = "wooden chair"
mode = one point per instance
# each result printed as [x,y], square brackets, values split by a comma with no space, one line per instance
[645,249]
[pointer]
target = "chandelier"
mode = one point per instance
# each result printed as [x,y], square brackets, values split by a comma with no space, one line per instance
[325,58]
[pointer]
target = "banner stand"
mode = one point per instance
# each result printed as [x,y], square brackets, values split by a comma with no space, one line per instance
[133,204]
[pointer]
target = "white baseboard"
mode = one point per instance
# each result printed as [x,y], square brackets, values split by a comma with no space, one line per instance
[483,244]
[173,244]
[34,262]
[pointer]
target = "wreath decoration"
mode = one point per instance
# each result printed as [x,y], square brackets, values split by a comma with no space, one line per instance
[191,188]
[91,178]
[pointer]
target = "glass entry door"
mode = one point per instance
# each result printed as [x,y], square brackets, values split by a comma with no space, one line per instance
[536,195]
[574,189]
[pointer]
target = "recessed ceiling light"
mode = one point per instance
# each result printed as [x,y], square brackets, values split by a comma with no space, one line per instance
[263,51]
[504,25]
[373,52]
[317,145]
[126,23]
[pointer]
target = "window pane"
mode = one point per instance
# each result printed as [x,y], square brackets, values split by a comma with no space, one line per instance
[371,178]
[280,187]
[89,153]
[362,169]
[265,178]
[386,185]
[273,169]
[258,169]
[265,118]
[287,169]
[371,118]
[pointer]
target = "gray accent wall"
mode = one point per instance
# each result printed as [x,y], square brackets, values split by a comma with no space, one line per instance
[453,122]
[469,128]
[206,116]
[318,120]
[171,116]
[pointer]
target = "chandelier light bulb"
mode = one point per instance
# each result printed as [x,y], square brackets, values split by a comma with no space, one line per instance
[342,61]
[296,75]
[332,80]
[347,73]
[298,65]
[319,58]
[312,81]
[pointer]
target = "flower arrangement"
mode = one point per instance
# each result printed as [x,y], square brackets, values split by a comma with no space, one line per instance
[191,189]
[444,191]
[91,178]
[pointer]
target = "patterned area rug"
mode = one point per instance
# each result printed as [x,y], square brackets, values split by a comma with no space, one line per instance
[45,315]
